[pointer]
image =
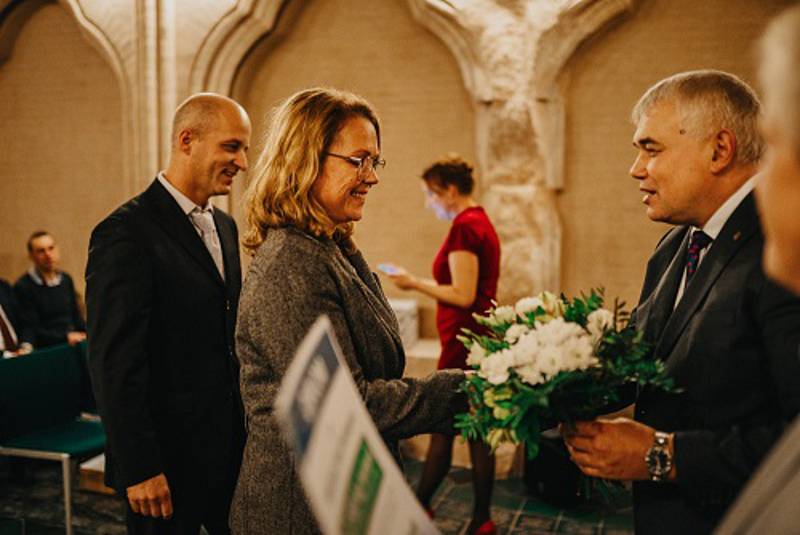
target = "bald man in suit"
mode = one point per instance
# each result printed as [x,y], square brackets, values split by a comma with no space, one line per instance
[163,281]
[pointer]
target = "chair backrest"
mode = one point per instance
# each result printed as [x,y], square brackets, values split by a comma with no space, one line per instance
[39,390]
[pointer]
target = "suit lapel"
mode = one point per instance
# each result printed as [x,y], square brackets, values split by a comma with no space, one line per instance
[366,283]
[659,307]
[742,224]
[176,224]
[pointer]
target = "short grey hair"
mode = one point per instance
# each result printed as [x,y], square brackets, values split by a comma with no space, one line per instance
[780,72]
[711,100]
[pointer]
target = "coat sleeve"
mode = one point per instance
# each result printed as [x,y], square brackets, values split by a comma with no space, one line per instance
[287,306]
[713,465]
[119,290]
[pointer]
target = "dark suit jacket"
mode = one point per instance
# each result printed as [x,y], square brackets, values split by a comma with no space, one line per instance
[161,345]
[731,345]
[8,301]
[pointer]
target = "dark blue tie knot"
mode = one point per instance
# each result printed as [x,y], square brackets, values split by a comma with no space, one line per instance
[699,241]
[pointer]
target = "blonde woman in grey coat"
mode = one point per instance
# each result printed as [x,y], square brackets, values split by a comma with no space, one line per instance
[321,158]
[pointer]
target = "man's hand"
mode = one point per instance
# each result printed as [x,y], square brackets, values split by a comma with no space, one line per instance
[75,337]
[612,449]
[151,497]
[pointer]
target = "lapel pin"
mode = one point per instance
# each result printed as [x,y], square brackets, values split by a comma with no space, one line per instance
[737,235]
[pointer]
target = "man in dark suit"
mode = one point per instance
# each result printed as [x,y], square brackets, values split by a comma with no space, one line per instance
[12,343]
[163,281]
[728,335]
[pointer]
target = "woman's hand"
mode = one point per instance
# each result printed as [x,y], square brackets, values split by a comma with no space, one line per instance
[403,279]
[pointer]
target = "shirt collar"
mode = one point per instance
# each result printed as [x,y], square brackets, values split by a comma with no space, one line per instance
[715,223]
[38,279]
[186,204]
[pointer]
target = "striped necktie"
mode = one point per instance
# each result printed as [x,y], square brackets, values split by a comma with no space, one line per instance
[699,241]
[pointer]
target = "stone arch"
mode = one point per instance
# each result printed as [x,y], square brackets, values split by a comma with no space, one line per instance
[13,17]
[547,89]
[229,41]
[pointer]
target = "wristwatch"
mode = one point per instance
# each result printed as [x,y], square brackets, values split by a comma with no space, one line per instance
[658,457]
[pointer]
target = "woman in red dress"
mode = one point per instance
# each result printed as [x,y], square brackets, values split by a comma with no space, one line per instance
[465,270]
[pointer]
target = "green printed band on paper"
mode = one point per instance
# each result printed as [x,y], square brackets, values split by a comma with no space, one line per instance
[365,482]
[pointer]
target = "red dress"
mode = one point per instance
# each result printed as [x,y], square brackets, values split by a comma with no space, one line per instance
[471,231]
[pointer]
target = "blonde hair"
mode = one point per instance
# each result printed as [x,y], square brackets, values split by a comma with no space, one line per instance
[711,100]
[780,72]
[301,129]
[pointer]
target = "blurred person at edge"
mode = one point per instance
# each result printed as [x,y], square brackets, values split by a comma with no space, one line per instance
[778,196]
[465,270]
[778,193]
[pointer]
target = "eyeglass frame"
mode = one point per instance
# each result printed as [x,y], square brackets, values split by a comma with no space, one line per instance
[376,162]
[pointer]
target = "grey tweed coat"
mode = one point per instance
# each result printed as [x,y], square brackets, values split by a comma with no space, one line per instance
[294,278]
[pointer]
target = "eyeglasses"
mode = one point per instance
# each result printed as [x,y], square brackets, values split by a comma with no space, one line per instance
[364,165]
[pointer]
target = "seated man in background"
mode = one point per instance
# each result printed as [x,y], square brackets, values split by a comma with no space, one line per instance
[10,343]
[47,300]
[728,335]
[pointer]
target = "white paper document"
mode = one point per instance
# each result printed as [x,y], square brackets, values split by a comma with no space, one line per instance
[352,481]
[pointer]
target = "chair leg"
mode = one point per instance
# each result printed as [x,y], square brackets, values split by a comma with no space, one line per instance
[66,467]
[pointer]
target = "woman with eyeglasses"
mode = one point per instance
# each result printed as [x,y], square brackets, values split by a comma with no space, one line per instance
[319,162]
[465,271]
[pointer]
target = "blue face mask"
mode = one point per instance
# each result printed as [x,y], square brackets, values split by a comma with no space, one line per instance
[441,212]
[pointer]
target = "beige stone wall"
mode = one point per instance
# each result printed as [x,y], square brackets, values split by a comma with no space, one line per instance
[607,237]
[61,109]
[378,51]
[61,160]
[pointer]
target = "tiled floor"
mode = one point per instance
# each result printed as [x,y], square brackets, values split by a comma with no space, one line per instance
[516,512]
[37,504]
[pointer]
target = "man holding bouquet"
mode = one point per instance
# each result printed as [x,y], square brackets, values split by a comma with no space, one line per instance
[727,335]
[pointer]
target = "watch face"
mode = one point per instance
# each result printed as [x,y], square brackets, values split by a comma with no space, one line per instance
[658,461]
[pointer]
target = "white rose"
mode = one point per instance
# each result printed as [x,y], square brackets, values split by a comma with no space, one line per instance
[556,346]
[494,368]
[552,304]
[476,354]
[531,374]
[504,314]
[525,350]
[515,332]
[598,322]
[527,304]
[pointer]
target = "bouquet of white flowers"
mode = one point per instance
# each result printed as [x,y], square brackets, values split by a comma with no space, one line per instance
[548,360]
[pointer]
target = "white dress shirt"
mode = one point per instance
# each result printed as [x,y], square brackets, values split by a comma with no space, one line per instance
[186,204]
[715,223]
[200,217]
